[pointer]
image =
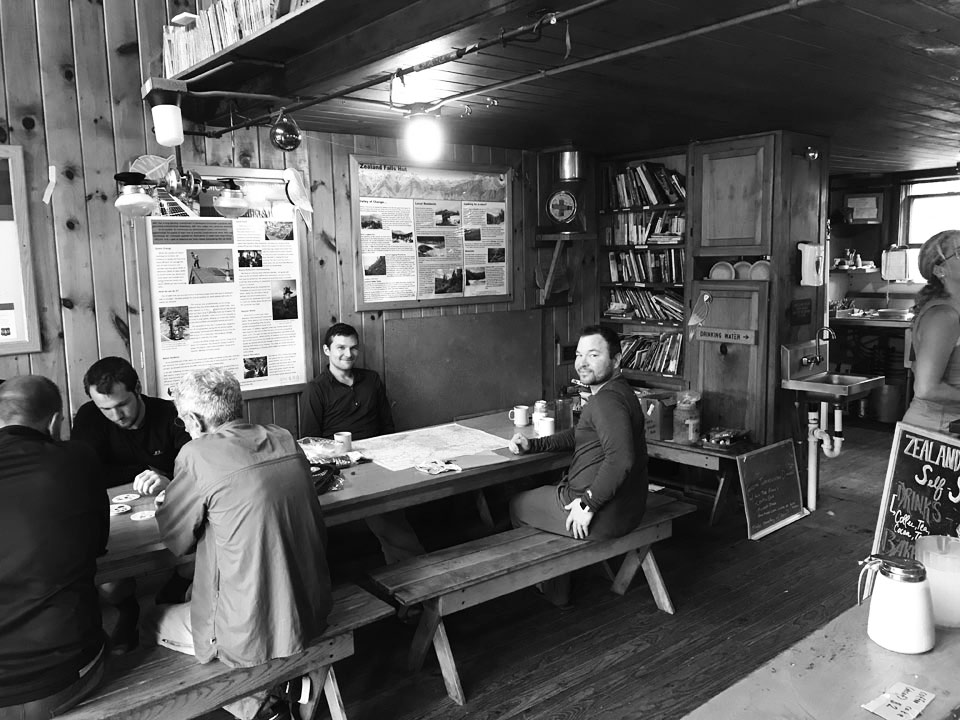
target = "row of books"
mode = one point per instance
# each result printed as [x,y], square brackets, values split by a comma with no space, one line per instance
[629,303]
[646,183]
[654,266]
[655,227]
[653,352]
[221,25]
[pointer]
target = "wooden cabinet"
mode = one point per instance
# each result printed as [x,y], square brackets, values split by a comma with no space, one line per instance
[727,355]
[750,197]
[731,196]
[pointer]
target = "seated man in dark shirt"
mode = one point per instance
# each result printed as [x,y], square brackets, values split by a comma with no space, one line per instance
[135,436]
[344,398]
[53,511]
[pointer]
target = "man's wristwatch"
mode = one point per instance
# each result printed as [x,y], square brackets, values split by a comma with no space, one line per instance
[584,506]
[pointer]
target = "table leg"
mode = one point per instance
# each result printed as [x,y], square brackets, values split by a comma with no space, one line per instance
[720,499]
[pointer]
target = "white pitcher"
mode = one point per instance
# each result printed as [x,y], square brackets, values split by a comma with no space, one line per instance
[901,610]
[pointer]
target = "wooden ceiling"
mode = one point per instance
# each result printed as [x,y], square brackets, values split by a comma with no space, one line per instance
[879,78]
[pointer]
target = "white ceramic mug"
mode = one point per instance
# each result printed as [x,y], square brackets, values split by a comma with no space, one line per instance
[546,426]
[520,415]
[342,442]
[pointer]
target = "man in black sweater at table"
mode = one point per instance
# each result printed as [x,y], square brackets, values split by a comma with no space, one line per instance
[137,438]
[344,398]
[53,511]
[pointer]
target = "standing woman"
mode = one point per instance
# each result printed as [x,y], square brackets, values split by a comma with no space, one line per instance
[936,335]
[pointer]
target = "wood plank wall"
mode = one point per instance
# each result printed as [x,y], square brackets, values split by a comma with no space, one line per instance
[70,95]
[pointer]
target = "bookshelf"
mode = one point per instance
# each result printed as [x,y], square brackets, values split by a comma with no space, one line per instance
[643,263]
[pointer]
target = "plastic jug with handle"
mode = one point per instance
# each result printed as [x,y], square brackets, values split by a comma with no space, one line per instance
[940,555]
[901,611]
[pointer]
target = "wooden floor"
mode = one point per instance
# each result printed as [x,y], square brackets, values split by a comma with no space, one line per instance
[739,603]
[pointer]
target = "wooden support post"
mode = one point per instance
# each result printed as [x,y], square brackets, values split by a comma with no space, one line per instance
[483,508]
[548,284]
[628,568]
[655,580]
[331,689]
[426,630]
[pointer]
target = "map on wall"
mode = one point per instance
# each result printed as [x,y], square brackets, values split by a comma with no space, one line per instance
[428,235]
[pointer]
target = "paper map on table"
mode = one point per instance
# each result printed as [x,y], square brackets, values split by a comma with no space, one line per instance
[445,442]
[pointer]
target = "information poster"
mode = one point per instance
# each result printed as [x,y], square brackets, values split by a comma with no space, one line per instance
[430,235]
[228,293]
[13,318]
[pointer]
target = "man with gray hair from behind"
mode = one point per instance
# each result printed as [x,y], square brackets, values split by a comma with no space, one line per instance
[242,497]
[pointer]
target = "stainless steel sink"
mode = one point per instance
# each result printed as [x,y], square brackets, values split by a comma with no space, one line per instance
[800,370]
[834,386]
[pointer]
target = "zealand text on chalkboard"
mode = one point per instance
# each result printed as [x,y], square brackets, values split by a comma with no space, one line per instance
[921,494]
[772,497]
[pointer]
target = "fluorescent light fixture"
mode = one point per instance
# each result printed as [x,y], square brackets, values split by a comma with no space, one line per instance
[424,138]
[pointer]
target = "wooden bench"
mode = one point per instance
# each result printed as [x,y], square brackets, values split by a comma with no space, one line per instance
[456,578]
[160,683]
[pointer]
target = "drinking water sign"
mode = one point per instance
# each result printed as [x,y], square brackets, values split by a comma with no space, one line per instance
[921,494]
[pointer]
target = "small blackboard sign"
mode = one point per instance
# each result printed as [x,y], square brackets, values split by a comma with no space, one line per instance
[921,494]
[772,497]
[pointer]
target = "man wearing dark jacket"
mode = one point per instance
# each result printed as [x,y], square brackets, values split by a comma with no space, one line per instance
[55,521]
[604,494]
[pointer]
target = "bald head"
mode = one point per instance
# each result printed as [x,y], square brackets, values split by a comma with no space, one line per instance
[30,400]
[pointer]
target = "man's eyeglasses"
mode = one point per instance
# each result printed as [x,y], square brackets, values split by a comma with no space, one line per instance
[944,258]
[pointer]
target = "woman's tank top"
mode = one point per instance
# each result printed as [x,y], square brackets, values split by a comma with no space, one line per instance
[933,414]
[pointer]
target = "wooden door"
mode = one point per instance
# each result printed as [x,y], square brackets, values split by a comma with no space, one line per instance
[727,356]
[731,200]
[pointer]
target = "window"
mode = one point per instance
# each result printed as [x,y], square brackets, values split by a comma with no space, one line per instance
[929,207]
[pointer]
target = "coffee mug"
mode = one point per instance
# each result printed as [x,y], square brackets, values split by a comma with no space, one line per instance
[540,407]
[520,415]
[546,426]
[342,442]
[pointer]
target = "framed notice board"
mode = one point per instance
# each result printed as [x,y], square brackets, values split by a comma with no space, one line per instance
[772,497]
[429,236]
[921,493]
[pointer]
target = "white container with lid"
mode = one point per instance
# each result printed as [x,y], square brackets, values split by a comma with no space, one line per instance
[901,612]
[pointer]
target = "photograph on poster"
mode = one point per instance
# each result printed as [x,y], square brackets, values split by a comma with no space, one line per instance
[255,367]
[249,258]
[476,277]
[496,255]
[209,266]
[431,246]
[174,323]
[371,221]
[402,236]
[471,235]
[283,297]
[374,264]
[447,214]
[495,218]
[445,282]
[274,230]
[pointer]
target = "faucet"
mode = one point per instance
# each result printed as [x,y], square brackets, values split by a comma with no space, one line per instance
[824,334]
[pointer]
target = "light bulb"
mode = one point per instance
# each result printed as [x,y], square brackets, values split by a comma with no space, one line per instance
[134,201]
[230,203]
[424,138]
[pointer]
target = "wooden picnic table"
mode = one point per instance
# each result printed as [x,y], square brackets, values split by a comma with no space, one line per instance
[135,547]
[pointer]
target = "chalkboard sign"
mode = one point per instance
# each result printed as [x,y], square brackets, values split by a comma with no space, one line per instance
[921,494]
[771,488]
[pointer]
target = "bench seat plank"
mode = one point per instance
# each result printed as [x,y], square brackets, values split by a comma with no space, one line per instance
[436,574]
[460,577]
[160,683]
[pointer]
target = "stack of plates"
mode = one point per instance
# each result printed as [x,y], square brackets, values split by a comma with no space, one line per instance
[742,270]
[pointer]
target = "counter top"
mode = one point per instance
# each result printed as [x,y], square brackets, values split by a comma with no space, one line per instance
[871,321]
